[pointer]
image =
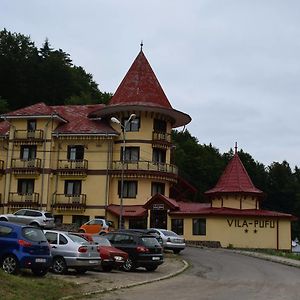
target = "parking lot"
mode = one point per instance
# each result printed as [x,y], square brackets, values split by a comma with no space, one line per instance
[98,281]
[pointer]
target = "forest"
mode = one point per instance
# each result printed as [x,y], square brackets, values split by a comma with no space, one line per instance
[29,75]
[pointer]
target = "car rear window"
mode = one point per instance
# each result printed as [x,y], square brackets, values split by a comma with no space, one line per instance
[77,239]
[48,215]
[101,241]
[33,234]
[168,233]
[4,230]
[150,241]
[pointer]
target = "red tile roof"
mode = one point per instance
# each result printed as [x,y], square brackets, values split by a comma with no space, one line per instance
[128,210]
[140,86]
[172,203]
[4,128]
[40,109]
[234,179]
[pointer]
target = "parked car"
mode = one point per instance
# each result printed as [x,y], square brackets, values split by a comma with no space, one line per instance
[23,247]
[143,249]
[72,251]
[96,226]
[111,257]
[171,240]
[38,218]
[148,231]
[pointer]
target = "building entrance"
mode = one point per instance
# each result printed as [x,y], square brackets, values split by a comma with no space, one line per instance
[158,219]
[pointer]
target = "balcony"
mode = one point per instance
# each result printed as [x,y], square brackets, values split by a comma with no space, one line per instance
[29,137]
[161,139]
[140,167]
[72,167]
[17,200]
[22,166]
[69,202]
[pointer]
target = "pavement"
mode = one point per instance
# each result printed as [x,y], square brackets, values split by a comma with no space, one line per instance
[98,282]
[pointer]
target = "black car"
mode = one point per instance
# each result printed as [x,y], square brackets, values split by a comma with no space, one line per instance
[143,249]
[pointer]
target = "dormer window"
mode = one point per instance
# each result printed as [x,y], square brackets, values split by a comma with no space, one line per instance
[31,125]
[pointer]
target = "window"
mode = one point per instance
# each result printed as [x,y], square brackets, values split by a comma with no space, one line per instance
[33,213]
[159,125]
[177,226]
[5,230]
[132,154]
[133,125]
[159,155]
[157,188]
[129,189]
[138,223]
[75,152]
[31,125]
[28,152]
[25,186]
[199,226]
[72,187]
[62,240]
[51,237]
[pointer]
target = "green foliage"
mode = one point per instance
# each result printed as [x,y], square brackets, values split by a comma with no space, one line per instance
[29,75]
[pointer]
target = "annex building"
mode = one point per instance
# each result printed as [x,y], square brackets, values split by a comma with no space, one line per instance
[87,161]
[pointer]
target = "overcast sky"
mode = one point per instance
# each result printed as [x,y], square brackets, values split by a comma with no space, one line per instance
[232,65]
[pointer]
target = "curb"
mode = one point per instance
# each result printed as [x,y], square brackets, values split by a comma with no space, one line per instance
[126,286]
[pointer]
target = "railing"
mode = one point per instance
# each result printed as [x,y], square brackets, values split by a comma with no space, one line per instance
[23,200]
[69,201]
[81,164]
[26,164]
[161,136]
[28,134]
[145,166]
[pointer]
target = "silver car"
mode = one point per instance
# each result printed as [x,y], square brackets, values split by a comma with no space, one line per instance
[72,251]
[171,240]
[38,218]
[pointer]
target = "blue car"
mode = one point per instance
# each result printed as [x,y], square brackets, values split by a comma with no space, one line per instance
[24,247]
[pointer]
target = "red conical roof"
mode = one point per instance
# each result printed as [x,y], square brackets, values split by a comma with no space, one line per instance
[140,86]
[234,179]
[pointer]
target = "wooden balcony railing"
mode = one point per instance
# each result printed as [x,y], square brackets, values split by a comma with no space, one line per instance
[24,200]
[26,164]
[67,202]
[29,135]
[161,137]
[74,167]
[145,166]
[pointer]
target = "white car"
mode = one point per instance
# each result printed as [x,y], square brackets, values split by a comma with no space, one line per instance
[72,251]
[37,218]
[171,240]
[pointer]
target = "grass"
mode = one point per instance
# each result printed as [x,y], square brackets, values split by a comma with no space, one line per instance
[280,253]
[28,287]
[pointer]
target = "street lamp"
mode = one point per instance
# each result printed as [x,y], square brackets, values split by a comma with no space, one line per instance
[117,121]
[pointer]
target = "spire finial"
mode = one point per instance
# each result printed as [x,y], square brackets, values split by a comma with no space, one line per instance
[141,44]
[235,148]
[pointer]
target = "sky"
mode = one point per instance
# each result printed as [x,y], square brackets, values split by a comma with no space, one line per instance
[232,65]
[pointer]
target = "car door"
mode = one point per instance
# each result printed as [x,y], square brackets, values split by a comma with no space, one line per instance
[52,238]
[18,216]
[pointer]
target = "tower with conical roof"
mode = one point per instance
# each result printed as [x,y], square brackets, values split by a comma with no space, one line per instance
[235,188]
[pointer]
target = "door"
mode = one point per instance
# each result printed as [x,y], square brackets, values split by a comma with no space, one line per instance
[158,219]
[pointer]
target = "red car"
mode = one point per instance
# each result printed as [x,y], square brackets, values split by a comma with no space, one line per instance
[111,257]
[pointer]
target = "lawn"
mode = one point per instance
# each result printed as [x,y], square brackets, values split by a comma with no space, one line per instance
[27,287]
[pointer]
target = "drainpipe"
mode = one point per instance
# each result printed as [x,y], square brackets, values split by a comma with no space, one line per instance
[43,163]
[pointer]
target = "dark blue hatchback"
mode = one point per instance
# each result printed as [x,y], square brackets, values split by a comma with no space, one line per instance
[23,246]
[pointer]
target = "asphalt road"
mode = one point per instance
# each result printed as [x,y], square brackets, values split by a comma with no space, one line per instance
[220,275]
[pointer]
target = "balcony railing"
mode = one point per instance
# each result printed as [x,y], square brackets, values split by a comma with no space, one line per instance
[26,164]
[67,202]
[145,166]
[161,137]
[74,167]
[29,135]
[29,200]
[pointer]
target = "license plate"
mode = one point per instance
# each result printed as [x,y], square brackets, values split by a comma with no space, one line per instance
[155,258]
[118,258]
[93,261]
[40,260]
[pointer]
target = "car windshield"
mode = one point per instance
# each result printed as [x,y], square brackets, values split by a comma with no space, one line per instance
[33,234]
[168,233]
[48,215]
[77,239]
[101,241]
[150,241]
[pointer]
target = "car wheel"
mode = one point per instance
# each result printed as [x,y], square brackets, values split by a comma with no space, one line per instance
[176,251]
[39,271]
[128,265]
[3,219]
[107,268]
[81,270]
[102,233]
[151,268]
[10,264]
[59,265]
